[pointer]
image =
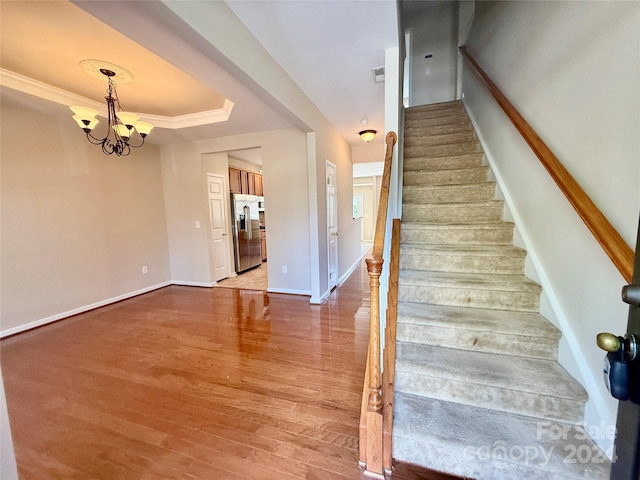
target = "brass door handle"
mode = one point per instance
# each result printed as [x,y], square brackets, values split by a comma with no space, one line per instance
[608,342]
[629,344]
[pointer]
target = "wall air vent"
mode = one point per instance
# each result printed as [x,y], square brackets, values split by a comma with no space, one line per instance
[378,74]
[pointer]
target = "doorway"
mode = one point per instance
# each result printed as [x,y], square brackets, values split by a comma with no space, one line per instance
[218,222]
[332,224]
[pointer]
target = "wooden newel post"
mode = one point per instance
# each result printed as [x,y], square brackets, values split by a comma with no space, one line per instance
[374,268]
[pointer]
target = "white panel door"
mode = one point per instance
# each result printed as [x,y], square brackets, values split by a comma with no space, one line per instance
[218,222]
[332,224]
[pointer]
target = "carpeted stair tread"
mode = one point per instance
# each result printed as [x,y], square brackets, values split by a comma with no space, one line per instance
[512,283]
[526,324]
[441,138]
[492,233]
[449,119]
[463,125]
[488,250]
[470,192]
[460,212]
[454,176]
[502,332]
[466,259]
[502,292]
[451,162]
[532,374]
[442,150]
[488,445]
[528,386]
[418,113]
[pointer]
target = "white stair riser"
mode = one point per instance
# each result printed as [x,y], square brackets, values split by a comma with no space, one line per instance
[507,400]
[447,194]
[467,297]
[464,263]
[452,213]
[477,341]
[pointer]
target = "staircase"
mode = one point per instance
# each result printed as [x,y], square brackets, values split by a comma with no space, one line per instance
[478,390]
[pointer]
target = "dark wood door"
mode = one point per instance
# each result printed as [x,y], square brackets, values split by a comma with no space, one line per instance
[627,446]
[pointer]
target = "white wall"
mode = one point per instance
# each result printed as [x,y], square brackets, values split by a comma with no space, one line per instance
[77,225]
[434,27]
[572,69]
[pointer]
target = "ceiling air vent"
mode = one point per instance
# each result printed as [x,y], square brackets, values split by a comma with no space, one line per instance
[378,74]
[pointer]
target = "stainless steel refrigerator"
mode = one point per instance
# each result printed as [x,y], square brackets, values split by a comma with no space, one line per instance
[246,231]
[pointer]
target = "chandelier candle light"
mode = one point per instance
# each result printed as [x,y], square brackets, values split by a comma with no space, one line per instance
[120,124]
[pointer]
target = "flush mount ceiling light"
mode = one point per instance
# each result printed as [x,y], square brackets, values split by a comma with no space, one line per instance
[120,125]
[367,135]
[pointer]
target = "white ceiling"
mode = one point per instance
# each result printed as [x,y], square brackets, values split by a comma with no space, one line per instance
[327,47]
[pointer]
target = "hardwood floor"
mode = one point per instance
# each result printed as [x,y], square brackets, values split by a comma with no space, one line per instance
[192,383]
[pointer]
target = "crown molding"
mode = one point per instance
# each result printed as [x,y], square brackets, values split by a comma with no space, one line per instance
[39,89]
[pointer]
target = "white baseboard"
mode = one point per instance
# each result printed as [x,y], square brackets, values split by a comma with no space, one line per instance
[319,300]
[76,311]
[193,284]
[289,291]
[351,269]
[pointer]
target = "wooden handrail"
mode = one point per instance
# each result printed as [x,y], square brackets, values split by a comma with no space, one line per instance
[607,236]
[374,267]
[371,426]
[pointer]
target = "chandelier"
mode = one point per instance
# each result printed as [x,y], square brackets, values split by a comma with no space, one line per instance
[120,125]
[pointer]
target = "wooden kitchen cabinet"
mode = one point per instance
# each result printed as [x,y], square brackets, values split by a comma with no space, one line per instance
[235,184]
[252,183]
[259,190]
[242,181]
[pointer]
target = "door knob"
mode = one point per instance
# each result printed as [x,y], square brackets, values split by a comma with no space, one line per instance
[628,344]
[608,342]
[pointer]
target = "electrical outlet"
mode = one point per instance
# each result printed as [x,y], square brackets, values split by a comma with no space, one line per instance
[197,223]
[284,269]
[145,270]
